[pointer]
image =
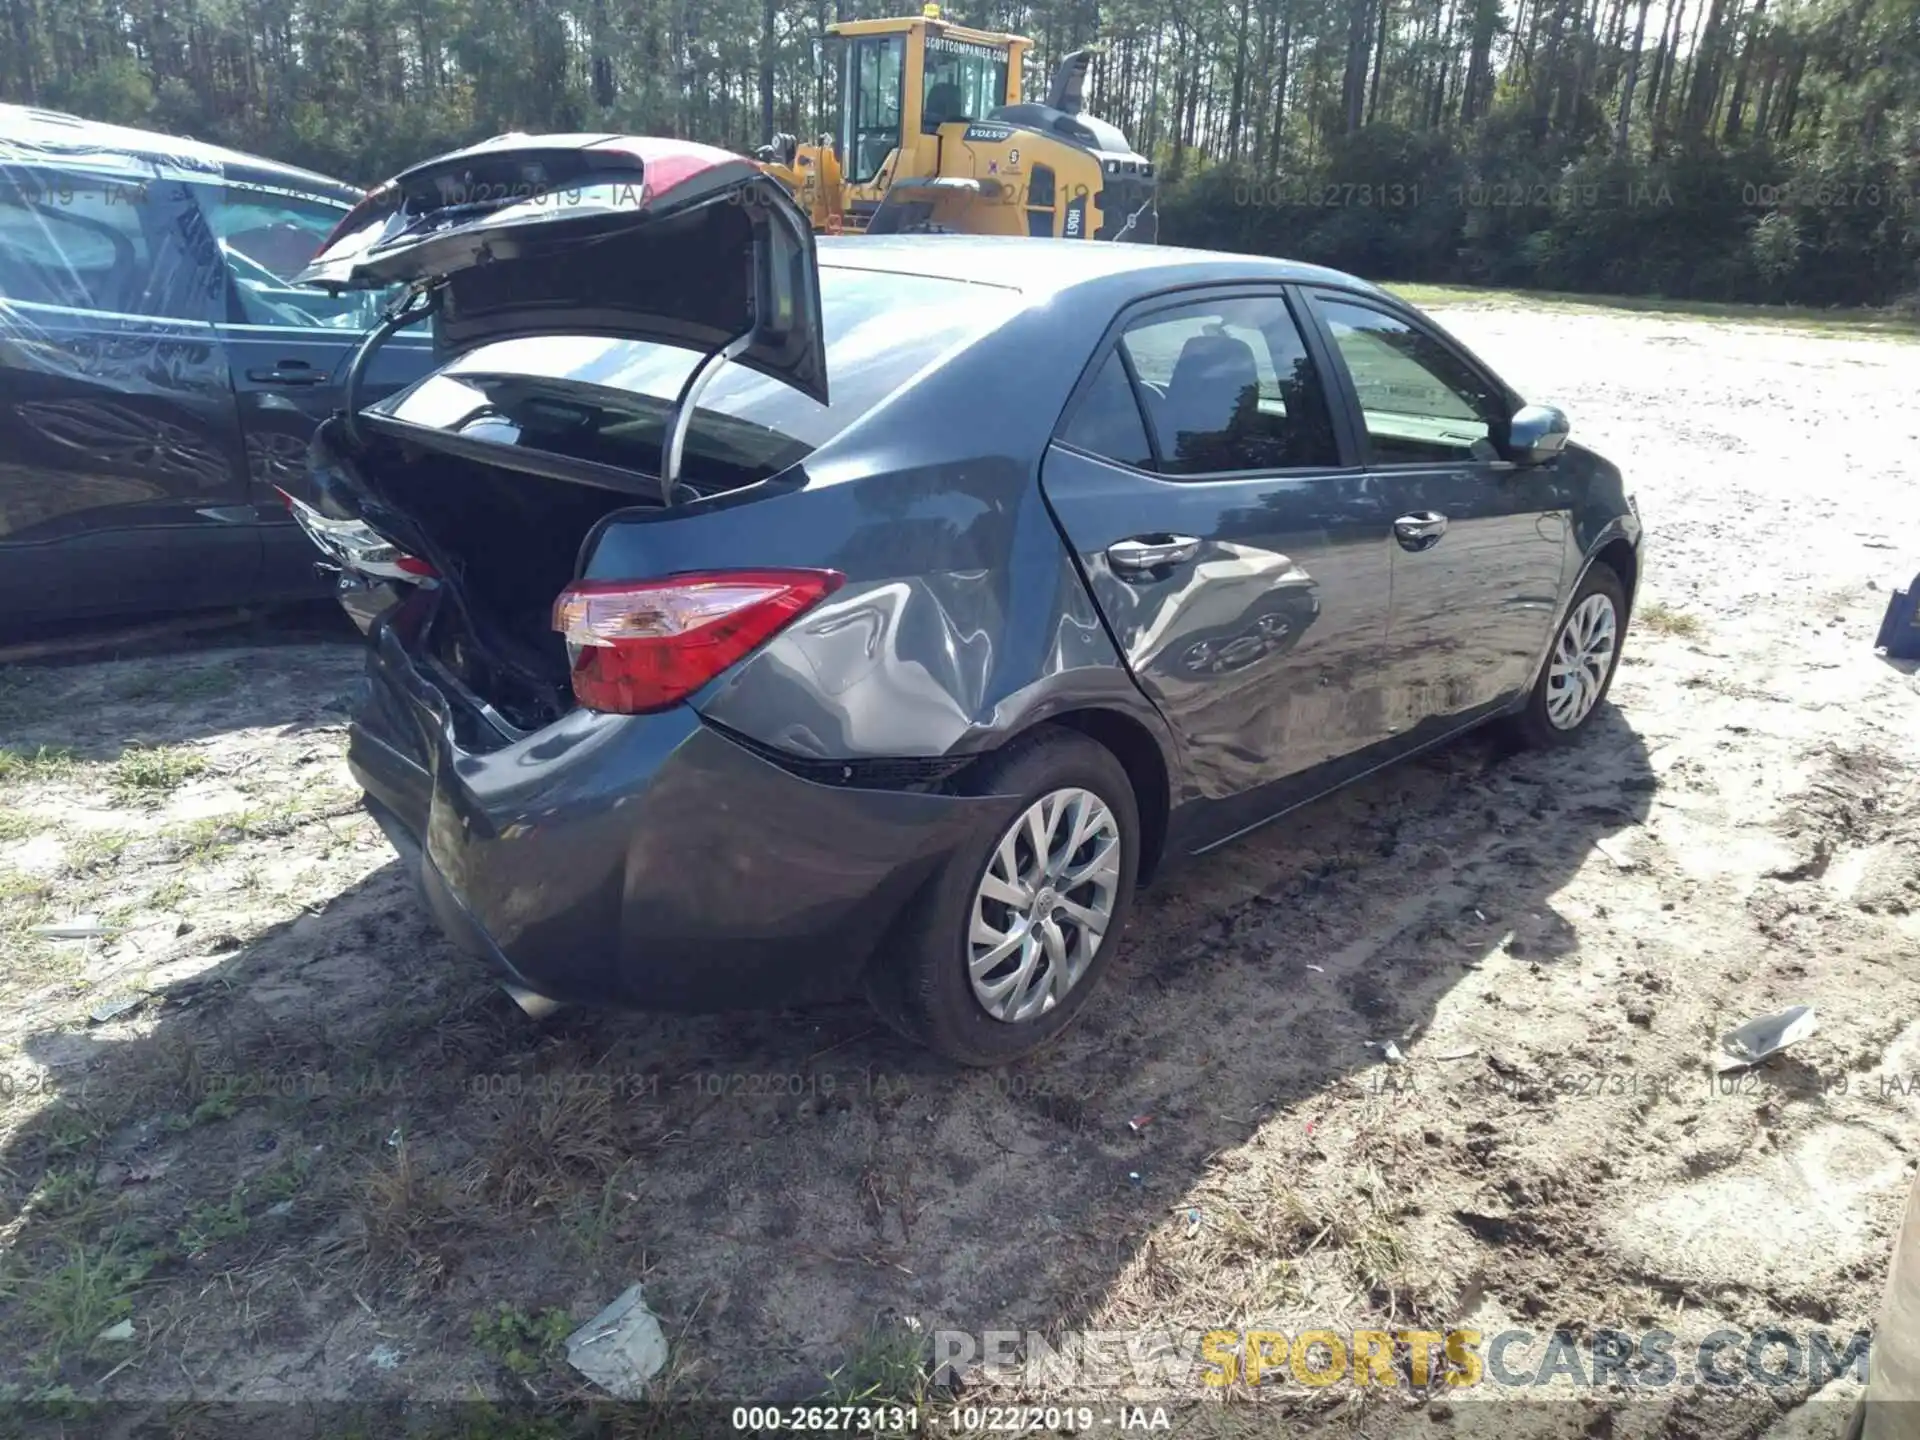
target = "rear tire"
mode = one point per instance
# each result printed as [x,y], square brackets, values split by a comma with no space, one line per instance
[1578,672]
[1038,958]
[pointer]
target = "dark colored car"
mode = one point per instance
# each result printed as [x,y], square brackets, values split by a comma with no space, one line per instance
[159,376]
[766,624]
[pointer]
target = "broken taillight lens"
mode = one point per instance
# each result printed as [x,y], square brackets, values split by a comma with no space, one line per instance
[357,546]
[639,646]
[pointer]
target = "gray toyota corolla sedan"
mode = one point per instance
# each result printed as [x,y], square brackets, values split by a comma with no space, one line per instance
[754,621]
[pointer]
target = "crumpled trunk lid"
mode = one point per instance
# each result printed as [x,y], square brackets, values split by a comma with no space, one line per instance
[624,236]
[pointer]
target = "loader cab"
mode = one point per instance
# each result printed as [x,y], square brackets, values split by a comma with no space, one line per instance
[961,81]
[901,80]
[873,88]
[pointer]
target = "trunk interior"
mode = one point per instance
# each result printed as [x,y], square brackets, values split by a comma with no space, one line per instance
[506,543]
[505,536]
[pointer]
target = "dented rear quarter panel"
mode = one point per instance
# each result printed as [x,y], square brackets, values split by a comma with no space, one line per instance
[964,618]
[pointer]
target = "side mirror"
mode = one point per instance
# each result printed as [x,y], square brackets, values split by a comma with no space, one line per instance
[1536,434]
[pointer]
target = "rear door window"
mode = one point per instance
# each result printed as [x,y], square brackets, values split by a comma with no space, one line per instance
[608,401]
[97,241]
[1107,421]
[1228,386]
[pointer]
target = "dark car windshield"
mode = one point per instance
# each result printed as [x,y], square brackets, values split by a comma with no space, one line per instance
[608,400]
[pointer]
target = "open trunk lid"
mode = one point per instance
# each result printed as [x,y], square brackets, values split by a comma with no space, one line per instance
[626,237]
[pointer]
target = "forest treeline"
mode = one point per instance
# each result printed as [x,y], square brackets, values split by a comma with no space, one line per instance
[1717,149]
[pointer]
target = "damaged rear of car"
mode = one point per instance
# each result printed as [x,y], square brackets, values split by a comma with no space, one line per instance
[665,635]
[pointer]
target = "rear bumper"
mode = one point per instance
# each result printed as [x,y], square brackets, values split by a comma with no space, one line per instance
[643,860]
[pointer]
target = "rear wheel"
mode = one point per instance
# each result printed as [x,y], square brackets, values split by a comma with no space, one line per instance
[1580,663]
[1018,927]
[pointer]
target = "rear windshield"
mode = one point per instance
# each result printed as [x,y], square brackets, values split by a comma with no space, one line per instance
[608,400]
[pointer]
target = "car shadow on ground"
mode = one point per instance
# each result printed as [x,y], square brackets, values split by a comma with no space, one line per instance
[292,668]
[371,1146]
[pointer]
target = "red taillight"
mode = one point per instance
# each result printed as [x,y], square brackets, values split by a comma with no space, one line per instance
[645,645]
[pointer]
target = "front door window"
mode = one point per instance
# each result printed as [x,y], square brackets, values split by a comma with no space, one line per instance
[266,237]
[1422,406]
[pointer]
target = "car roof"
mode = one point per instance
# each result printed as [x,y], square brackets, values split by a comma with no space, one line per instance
[27,132]
[1043,267]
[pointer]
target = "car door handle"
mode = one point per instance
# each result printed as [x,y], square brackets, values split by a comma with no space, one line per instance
[1145,553]
[289,372]
[1420,530]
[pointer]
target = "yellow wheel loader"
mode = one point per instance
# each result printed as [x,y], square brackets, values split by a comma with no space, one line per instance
[934,135]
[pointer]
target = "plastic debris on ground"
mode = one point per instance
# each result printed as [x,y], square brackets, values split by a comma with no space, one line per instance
[1899,633]
[621,1348]
[1766,1036]
[84,927]
[115,1007]
[1621,860]
[1139,1123]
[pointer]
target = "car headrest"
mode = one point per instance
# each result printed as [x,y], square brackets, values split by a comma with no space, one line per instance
[1214,376]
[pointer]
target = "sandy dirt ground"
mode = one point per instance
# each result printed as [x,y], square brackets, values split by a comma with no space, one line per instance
[275,1124]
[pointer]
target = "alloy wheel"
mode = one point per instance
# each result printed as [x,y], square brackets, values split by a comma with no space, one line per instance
[1582,656]
[1043,904]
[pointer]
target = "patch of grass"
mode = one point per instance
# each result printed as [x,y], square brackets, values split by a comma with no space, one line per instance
[44,762]
[1375,1249]
[94,849]
[147,774]
[69,1128]
[17,887]
[207,1225]
[889,1367]
[405,1214]
[170,894]
[1662,619]
[50,1401]
[592,1223]
[206,838]
[283,1182]
[550,1144]
[17,825]
[1839,322]
[65,1194]
[492,1422]
[32,961]
[65,1309]
[230,1219]
[523,1344]
[203,839]
[221,1103]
